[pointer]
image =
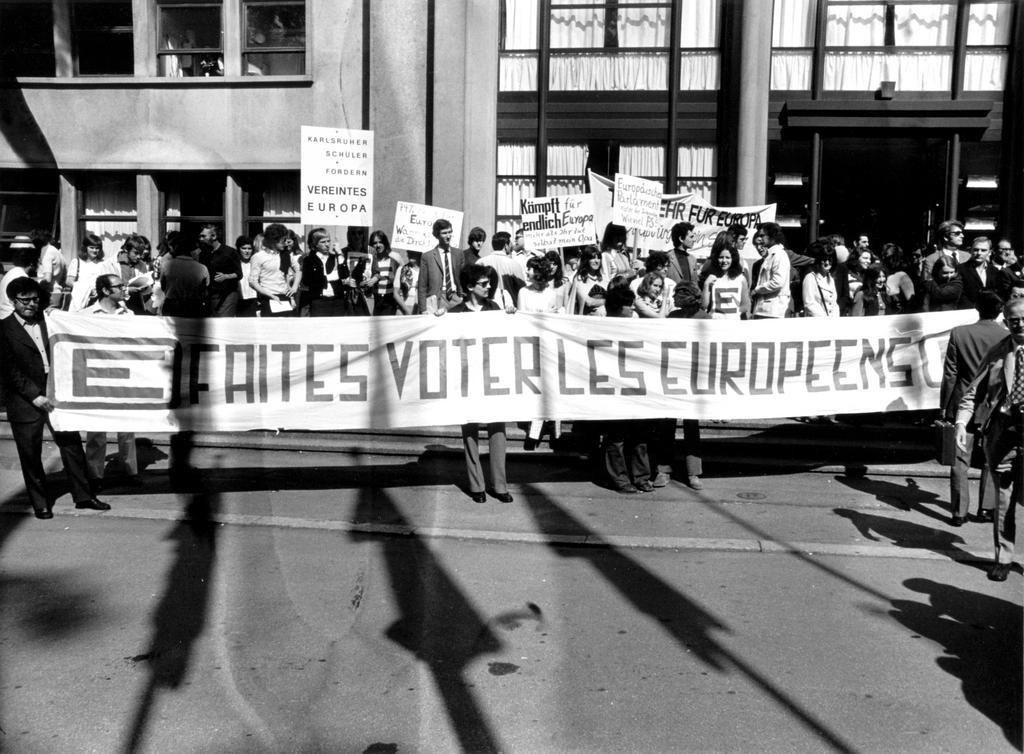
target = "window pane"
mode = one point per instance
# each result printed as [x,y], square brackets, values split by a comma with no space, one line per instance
[103,37]
[642,27]
[275,64]
[577,27]
[922,25]
[793,23]
[520,25]
[108,194]
[698,71]
[791,70]
[989,24]
[517,72]
[272,195]
[623,71]
[567,159]
[642,160]
[984,71]
[275,26]
[26,39]
[698,24]
[855,26]
[864,71]
[190,27]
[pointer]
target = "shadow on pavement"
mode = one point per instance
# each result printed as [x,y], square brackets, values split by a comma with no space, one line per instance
[438,623]
[689,624]
[906,534]
[908,497]
[982,638]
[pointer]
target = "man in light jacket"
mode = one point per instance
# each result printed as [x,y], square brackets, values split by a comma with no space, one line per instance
[771,289]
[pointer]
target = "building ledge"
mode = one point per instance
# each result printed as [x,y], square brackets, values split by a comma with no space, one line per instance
[159,82]
[870,113]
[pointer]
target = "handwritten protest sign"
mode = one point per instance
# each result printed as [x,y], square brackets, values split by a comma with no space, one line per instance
[336,176]
[657,237]
[708,221]
[636,203]
[414,226]
[163,374]
[554,221]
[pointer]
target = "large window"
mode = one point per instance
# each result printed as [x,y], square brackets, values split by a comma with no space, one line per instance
[517,170]
[606,45]
[190,200]
[102,37]
[108,208]
[271,197]
[275,38]
[909,42]
[26,39]
[28,201]
[190,39]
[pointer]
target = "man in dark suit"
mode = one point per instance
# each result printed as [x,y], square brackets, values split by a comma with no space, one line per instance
[24,364]
[968,346]
[993,402]
[978,272]
[439,273]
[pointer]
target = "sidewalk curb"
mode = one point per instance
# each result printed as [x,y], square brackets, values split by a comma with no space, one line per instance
[760,546]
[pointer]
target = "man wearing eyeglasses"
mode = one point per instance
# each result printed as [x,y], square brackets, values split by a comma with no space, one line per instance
[950,245]
[110,301]
[994,403]
[24,365]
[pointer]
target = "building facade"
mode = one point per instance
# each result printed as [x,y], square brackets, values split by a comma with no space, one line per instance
[856,116]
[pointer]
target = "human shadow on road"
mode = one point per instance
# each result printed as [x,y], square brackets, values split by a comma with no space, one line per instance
[908,497]
[180,616]
[686,621]
[982,637]
[438,623]
[907,534]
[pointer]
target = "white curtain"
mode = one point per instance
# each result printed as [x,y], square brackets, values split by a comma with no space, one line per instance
[624,71]
[642,27]
[698,71]
[924,25]
[989,24]
[864,71]
[577,28]
[109,195]
[517,72]
[515,159]
[642,160]
[281,197]
[520,25]
[567,159]
[793,23]
[855,26]
[791,70]
[984,71]
[698,23]
[561,186]
[697,160]
[705,189]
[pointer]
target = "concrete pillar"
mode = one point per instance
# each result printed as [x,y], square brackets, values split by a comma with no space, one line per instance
[147,198]
[398,105]
[234,212]
[753,83]
[67,199]
[479,191]
[144,39]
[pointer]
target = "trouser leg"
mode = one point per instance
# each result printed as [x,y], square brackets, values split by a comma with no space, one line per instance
[614,454]
[95,453]
[496,456]
[691,447]
[28,438]
[471,449]
[129,456]
[663,444]
[73,457]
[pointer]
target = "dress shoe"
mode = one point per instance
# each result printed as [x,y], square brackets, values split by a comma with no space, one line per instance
[999,572]
[958,520]
[43,513]
[627,489]
[661,479]
[478,497]
[92,504]
[985,516]
[501,497]
[645,486]
[695,483]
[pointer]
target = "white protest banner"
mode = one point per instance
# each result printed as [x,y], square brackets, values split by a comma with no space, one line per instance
[636,203]
[414,224]
[708,221]
[336,176]
[554,221]
[656,238]
[158,374]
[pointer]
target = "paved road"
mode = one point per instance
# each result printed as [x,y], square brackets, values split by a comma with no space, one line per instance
[341,602]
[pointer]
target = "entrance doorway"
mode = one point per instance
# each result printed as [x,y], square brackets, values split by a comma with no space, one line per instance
[891,189]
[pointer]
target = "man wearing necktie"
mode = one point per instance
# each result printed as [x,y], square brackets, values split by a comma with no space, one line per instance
[440,269]
[24,365]
[993,402]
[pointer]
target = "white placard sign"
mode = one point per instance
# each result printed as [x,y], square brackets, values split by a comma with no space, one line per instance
[553,221]
[414,225]
[336,177]
[636,204]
